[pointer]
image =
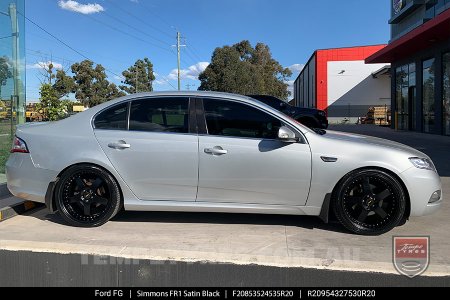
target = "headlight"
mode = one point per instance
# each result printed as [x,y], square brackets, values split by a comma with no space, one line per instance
[422,163]
[321,113]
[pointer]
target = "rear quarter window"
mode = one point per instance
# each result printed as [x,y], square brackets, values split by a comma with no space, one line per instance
[114,118]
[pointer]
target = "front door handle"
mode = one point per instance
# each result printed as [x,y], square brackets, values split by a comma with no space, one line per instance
[119,145]
[217,150]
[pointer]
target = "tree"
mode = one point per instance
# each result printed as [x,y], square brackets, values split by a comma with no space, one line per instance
[64,84]
[92,87]
[52,108]
[243,69]
[139,77]
[5,71]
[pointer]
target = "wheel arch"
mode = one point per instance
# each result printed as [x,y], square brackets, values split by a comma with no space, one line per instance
[329,197]
[50,194]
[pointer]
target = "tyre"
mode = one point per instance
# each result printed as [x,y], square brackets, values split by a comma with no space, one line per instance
[87,196]
[369,202]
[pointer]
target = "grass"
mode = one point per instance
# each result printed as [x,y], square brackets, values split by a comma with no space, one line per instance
[5,144]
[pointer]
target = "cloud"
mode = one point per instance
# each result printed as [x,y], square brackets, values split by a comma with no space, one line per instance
[86,9]
[134,1]
[290,88]
[191,72]
[296,68]
[118,78]
[44,65]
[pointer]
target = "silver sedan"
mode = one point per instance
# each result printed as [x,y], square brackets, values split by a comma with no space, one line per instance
[216,152]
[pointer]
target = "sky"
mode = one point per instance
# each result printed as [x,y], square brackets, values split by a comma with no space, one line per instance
[115,33]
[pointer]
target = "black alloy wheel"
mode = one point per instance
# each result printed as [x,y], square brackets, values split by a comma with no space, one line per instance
[87,196]
[369,202]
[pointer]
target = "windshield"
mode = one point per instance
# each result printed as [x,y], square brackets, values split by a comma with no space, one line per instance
[269,100]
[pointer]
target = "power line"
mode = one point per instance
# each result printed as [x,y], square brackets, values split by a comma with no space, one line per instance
[38,53]
[190,56]
[125,33]
[62,42]
[142,21]
[137,29]
[44,55]
[56,38]
[190,49]
[166,80]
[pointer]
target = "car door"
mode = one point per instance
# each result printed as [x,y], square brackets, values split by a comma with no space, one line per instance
[154,150]
[241,160]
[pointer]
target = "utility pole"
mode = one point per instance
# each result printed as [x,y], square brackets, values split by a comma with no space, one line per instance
[178,60]
[178,45]
[188,86]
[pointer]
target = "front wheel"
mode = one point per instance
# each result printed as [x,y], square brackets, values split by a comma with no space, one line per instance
[87,196]
[369,202]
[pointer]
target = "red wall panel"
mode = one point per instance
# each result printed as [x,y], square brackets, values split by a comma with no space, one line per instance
[341,54]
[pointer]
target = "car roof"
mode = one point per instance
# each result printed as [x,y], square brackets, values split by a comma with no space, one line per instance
[186,94]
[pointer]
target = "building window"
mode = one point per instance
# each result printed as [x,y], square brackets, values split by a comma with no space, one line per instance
[446,92]
[405,96]
[428,82]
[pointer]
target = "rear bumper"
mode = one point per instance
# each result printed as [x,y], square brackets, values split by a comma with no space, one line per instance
[421,184]
[25,180]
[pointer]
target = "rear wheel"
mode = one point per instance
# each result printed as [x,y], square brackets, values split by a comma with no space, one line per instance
[87,196]
[369,202]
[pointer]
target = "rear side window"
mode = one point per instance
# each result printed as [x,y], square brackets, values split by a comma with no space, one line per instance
[228,118]
[160,115]
[113,118]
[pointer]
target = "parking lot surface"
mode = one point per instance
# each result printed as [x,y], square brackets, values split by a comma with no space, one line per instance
[270,240]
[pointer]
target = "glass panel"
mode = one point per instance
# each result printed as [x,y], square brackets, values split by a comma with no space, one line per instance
[412,96]
[402,97]
[160,115]
[428,95]
[227,118]
[446,92]
[113,118]
[412,102]
[12,74]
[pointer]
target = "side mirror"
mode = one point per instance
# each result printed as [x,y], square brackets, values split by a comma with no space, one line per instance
[287,135]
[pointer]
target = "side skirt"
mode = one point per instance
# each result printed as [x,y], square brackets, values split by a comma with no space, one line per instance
[220,207]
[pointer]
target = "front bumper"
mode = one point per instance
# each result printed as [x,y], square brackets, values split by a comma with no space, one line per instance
[25,180]
[323,122]
[421,184]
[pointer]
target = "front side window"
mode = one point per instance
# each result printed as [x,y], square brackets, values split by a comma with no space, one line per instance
[228,118]
[160,115]
[114,118]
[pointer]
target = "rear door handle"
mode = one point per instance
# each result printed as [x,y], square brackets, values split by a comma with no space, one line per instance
[119,145]
[217,150]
